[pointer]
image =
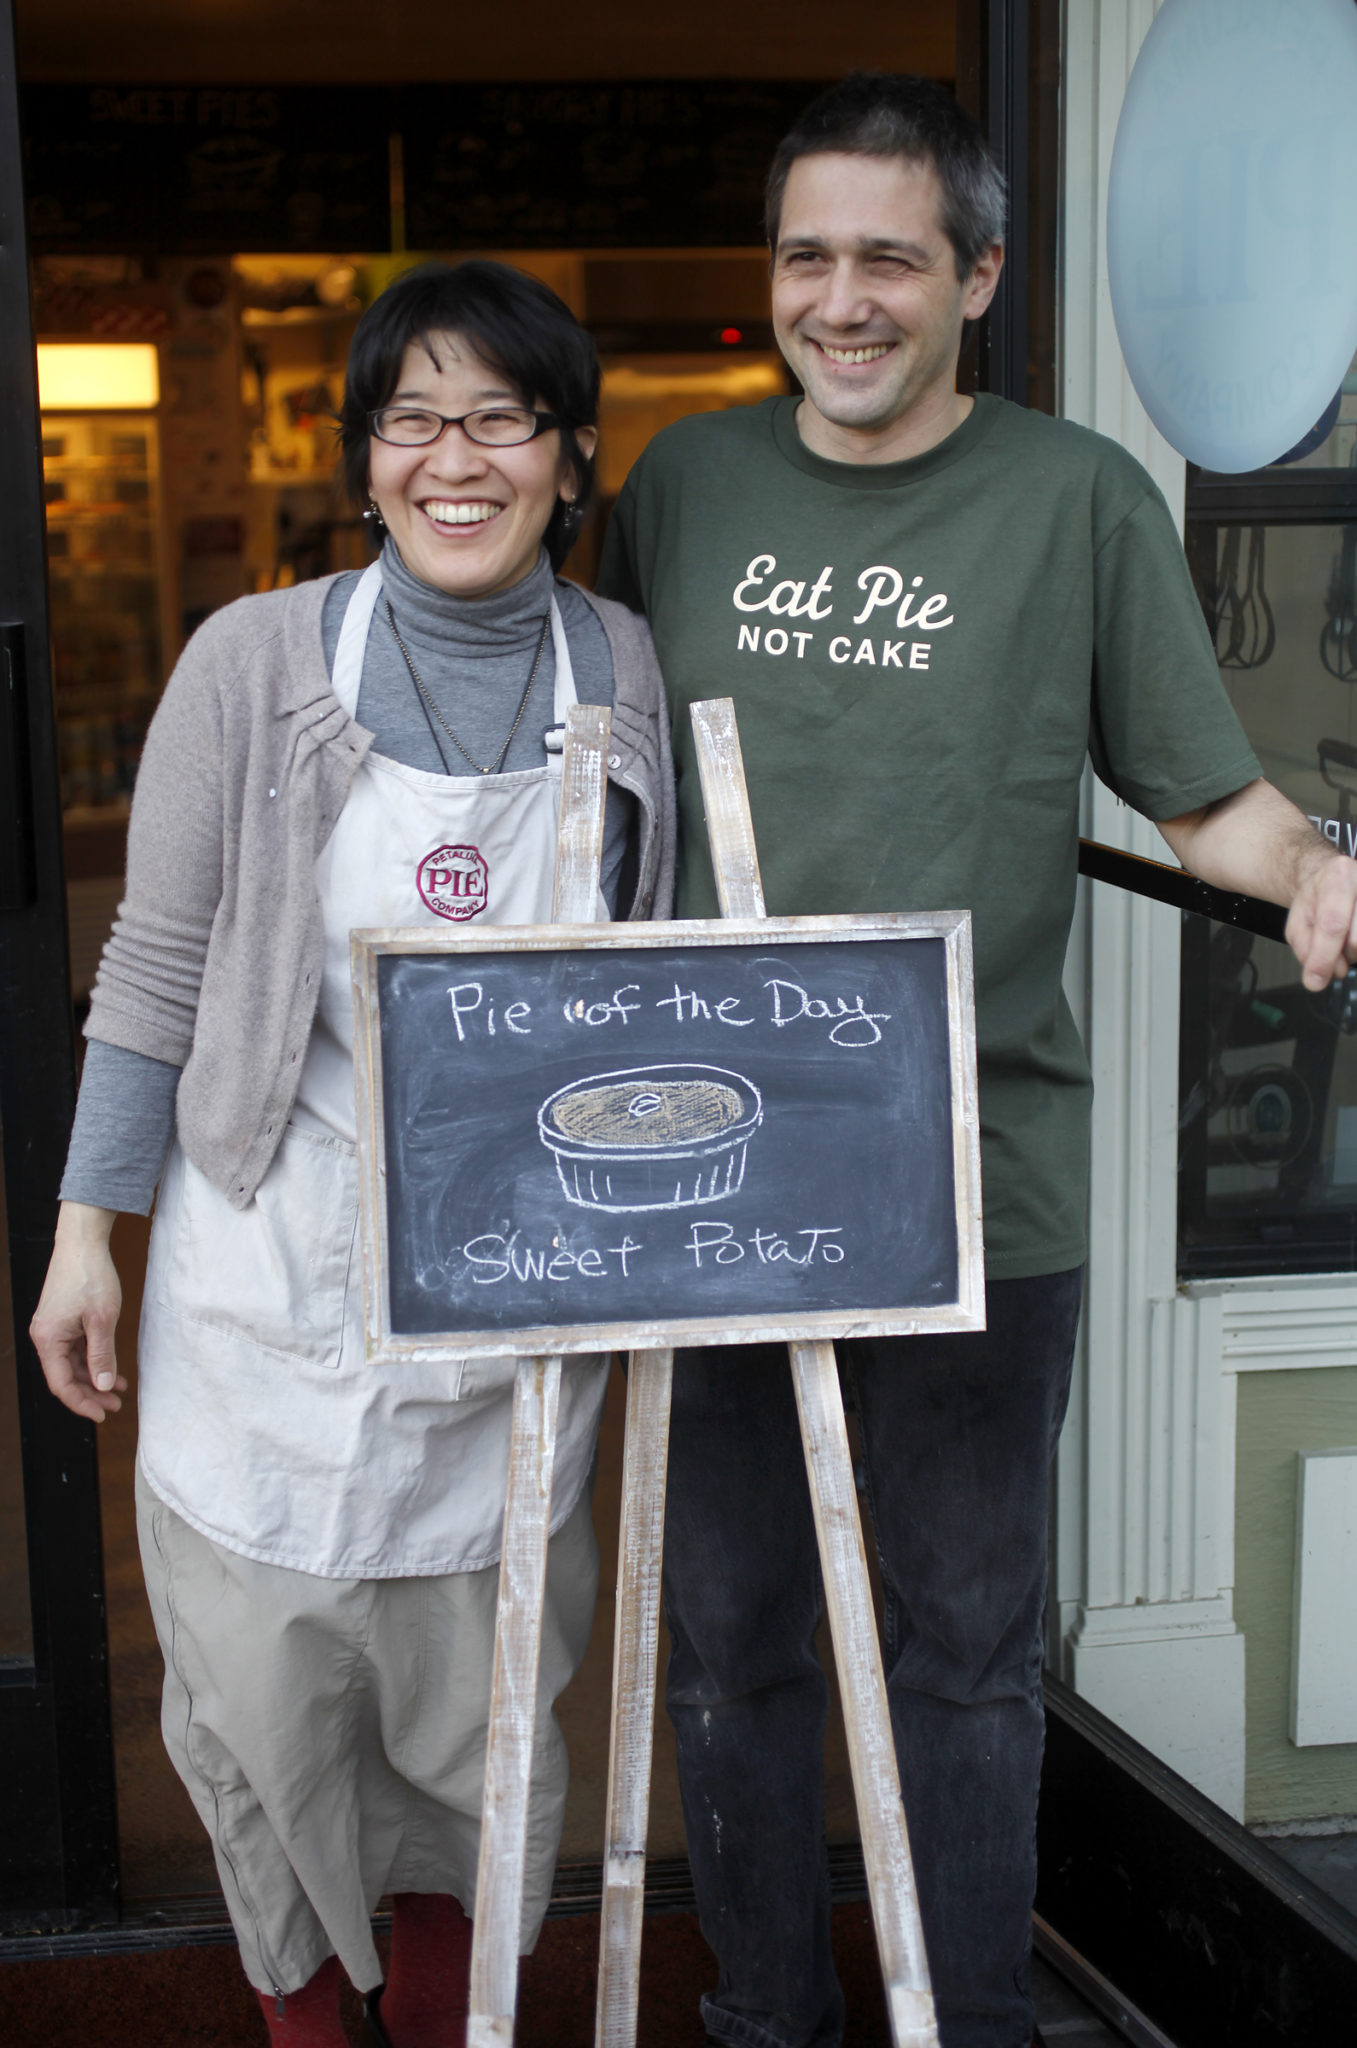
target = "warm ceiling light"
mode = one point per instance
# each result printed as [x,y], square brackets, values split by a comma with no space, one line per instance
[80,376]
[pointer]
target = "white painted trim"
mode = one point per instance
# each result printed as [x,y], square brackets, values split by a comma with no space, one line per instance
[1277,1331]
[1183,1697]
[1144,1484]
[1304,1830]
[1101,42]
[1162,1621]
[1297,1324]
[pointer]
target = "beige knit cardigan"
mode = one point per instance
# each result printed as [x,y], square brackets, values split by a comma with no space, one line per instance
[214,963]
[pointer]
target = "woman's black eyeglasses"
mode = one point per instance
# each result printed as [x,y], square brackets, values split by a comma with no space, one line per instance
[492,426]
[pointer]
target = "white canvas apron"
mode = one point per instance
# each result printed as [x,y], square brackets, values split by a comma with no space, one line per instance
[261,1424]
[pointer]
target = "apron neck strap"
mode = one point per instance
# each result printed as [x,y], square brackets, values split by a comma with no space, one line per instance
[565,674]
[353,638]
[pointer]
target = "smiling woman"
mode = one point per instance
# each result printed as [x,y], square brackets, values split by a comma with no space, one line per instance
[364,750]
[466,496]
[468,424]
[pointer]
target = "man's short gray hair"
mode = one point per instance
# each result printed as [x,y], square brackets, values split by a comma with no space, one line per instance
[881,113]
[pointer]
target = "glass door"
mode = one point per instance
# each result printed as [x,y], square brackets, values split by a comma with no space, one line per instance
[1268,1169]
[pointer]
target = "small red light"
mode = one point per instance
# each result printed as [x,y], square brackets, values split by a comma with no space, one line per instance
[731,335]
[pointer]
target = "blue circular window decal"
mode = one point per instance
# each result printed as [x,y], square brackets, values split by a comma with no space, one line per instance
[1232,223]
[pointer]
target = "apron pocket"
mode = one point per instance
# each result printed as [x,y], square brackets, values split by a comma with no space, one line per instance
[274,1275]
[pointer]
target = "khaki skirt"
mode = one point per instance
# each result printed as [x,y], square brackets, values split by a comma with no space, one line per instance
[332,1734]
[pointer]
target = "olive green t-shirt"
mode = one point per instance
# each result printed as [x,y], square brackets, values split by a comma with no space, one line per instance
[921,655]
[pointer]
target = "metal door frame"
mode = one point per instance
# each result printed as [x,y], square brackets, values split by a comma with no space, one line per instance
[994,46]
[58,1847]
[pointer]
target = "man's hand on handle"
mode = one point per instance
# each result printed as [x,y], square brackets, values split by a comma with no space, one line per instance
[1321,929]
[75,1320]
[1258,843]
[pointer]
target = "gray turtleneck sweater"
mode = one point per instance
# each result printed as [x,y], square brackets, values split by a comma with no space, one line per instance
[474,656]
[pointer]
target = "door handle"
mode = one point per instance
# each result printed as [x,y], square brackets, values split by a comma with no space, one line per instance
[17,876]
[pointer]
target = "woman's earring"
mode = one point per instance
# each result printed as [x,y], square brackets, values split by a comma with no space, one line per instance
[574,513]
[374,513]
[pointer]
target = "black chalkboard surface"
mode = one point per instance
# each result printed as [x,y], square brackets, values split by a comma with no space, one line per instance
[579,1138]
[616,163]
[612,163]
[206,168]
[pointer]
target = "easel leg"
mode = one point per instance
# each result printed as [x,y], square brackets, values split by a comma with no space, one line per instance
[862,1688]
[513,1705]
[635,1639]
[829,1468]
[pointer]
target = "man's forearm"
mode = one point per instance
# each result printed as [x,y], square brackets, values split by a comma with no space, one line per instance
[1258,843]
[1255,842]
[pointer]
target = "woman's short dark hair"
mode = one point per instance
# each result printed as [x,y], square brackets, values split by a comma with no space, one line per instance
[883,113]
[514,322]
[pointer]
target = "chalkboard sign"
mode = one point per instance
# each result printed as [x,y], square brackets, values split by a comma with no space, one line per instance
[582,1138]
[206,168]
[522,165]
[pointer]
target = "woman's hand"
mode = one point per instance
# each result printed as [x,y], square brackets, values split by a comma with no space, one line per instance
[72,1328]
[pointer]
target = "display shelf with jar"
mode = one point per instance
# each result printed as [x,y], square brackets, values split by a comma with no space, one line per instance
[101,483]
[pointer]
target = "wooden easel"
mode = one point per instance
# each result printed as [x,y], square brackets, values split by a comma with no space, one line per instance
[890,1876]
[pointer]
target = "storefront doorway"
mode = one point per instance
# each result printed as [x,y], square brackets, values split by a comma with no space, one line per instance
[223,237]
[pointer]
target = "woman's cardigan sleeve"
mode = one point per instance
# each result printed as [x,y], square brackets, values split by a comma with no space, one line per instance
[145,996]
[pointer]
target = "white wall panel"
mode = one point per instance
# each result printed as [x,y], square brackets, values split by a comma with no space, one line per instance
[1145,1475]
[1324,1620]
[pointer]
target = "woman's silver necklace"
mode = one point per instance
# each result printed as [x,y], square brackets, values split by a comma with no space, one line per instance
[431,706]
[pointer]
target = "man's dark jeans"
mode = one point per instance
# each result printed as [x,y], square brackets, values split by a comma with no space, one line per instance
[957,1435]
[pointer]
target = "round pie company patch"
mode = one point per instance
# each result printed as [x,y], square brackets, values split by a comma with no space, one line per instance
[453,881]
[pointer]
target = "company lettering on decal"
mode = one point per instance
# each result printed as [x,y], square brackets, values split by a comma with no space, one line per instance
[884,589]
[453,882]
[1340,832]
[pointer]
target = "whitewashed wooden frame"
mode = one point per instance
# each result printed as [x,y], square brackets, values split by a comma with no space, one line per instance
[966,1312]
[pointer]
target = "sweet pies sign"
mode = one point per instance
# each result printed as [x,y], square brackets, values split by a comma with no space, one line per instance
[618,1137]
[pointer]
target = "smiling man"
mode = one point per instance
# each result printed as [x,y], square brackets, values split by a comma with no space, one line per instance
[870,302]
[929,609]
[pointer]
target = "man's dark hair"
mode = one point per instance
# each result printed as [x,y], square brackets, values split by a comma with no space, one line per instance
[515,323]
[882,113]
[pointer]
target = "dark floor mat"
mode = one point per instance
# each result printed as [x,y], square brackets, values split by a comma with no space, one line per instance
[198,1998]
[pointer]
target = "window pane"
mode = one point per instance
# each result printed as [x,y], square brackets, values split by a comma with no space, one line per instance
[1269,1073]
[1268,1111]
[1286,638]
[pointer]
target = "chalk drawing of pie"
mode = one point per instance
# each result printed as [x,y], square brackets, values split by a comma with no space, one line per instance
[668,1137]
